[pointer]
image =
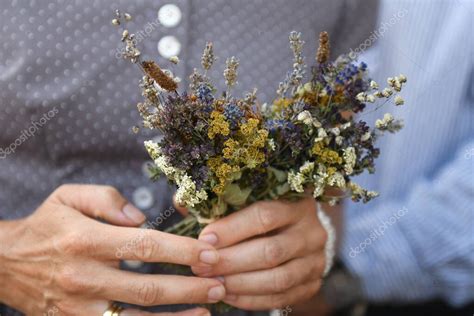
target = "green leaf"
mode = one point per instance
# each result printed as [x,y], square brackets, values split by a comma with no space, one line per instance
[218,209]
[282,189]
[281,176]
[235,196]
[236,176]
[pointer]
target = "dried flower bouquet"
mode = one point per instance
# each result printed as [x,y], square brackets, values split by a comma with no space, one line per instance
[224,152]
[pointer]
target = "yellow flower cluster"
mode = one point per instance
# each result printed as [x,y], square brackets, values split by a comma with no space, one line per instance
[312,95]
[218,125]
[244,150]
[281,104]
[248,128]
[326,155]
[223,171]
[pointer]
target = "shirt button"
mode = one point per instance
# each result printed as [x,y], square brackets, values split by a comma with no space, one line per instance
[169,15]
[169,46]
[143,198]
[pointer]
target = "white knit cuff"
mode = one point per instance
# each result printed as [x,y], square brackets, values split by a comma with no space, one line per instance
[330,246]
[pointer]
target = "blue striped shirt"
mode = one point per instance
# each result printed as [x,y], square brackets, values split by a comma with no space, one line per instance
[416,241]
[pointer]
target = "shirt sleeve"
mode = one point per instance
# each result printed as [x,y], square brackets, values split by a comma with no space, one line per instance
[421,247]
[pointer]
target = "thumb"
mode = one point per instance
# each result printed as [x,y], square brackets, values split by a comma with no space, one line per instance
[100,201]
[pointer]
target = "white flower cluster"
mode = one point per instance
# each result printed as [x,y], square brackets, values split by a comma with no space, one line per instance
[187,193]
[298,179]
[350,158]
[395,85]
[308,119]
[271,143]
[319,178]
[337,179]
[385,121]
[359,193]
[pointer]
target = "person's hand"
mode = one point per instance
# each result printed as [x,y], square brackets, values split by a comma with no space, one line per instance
[271,254]
[60,259]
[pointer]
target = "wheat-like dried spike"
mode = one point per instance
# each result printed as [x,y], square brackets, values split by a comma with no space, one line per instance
[323,49]
[161,78]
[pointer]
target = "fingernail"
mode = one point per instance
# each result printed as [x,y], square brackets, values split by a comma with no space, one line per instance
[133,213]
[216,293]
[209,256]
[209,238]
[220,279]
[230,298]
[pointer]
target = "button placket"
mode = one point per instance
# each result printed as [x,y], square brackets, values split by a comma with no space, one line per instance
[169,16]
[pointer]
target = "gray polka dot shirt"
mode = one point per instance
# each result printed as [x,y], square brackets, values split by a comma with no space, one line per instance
[67,102]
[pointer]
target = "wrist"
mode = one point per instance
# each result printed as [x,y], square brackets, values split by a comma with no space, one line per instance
[9,233]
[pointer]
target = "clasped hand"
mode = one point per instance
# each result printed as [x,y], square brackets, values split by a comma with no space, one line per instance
[271,254]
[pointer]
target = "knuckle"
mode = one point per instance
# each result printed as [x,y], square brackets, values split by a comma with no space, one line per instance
[283,281]
[71,281]
[63,307]
[317,239]
[110,191]
[311,291]
[319,265]
[197,296]
[273,252]
[60,191]
[277,301]
[62,188]
[147,293]
[77,243]
[265,217]
[323,236]
[70,244]
[146,247]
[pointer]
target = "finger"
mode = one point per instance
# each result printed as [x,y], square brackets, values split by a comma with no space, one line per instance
[181,208]
[257,254]
[148,290]
[277,280]
[99,201]
[189,312]
[98,307]
[274,301]
[148,245]
[256,219]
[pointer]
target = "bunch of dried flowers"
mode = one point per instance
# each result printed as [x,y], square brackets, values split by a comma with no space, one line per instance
[224,152]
